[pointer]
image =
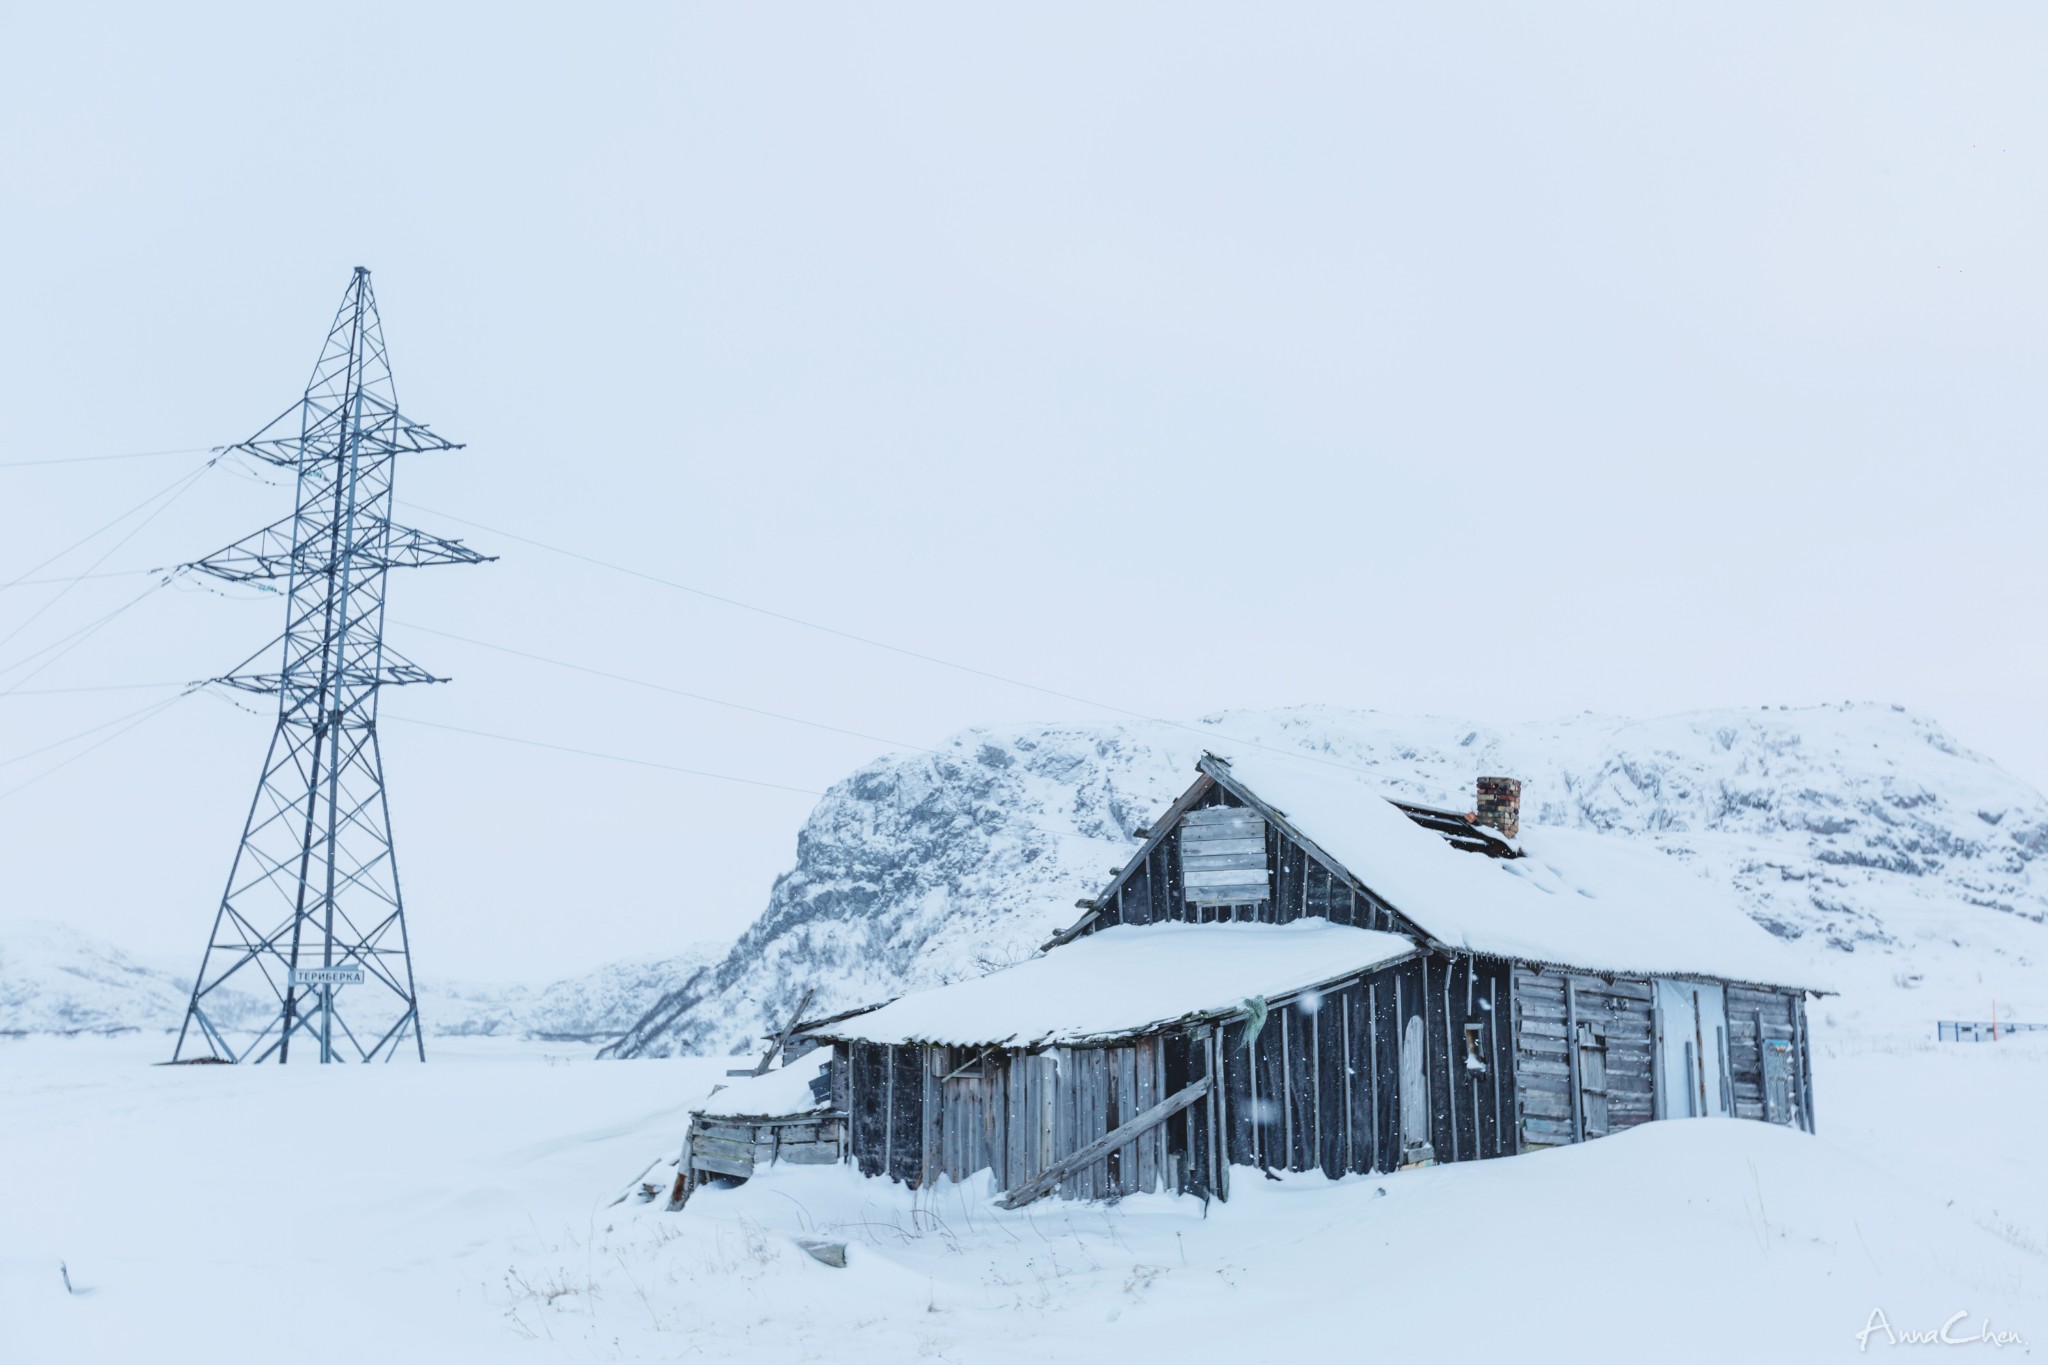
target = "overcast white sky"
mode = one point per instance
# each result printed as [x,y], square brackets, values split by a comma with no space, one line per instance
[1480,359]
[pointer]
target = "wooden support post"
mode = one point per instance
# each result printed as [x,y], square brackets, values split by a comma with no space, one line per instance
[1571,1056]
[1804,1062]
[775,1043]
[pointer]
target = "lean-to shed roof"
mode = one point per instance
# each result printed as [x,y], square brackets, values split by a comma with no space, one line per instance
[1126,980]
[781,1093]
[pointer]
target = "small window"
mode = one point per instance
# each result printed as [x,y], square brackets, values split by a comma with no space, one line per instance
[1475,1047]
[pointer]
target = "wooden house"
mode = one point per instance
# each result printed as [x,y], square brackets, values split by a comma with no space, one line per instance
[1295,973]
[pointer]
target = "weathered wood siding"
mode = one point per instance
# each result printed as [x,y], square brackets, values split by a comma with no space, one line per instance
[1755,1014]
[1512,1057]
[885,1105]
[1302,885]
[1317,1088]
[735,1147]
[1585,1053]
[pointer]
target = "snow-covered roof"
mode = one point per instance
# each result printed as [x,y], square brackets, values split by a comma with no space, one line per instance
[777,1094]
[1125,980]
[1573,900]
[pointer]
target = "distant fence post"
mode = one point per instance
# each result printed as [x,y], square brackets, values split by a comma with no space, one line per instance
[1979,1031]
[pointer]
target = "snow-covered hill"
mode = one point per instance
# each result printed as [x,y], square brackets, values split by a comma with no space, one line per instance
[596,1007]
[55,979]
[1910,869]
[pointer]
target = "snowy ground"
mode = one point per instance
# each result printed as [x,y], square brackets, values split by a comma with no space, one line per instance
[459,1212]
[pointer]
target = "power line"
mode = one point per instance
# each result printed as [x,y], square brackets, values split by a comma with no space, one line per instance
[664,687]
[76,578]
[133,532]
[173,484]
[614,758]
[102,687]
[142,717]
[786,617]
[72,739]
[891,648]
[71,641]
[95,459]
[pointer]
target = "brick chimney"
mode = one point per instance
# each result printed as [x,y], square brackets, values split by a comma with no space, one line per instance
[1500,804]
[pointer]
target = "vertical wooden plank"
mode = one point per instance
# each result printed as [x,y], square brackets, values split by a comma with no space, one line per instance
[1801,1044]
[1144,1056]
[1571,1057]
[1086,1115]
[888,1110]
[1366,1049]
[854,1110]
[1308,1090]
[1221,1102]
[1515,1042]
[1497,1059]
[1163,1150]
[1284,1088]
[1063,1103]
[1105,1080]
[1256,1118]
[1038,1116]
[1332,1099]
[931,1113]
[1453,1089]
[1006,1096]
[1016,1152]
[1399,1022]
[1079,1132]
[1350,1087]
[1129,1104]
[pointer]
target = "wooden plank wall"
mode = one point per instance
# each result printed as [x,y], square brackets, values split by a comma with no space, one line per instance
[1612,1069]
[1319,1089]
[737,1147]
[885,1108]
[1302,885]
[1754,1013]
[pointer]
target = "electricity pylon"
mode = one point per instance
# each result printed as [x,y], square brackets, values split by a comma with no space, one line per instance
[312,916]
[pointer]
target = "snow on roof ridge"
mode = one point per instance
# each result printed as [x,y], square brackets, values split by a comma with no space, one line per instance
[1572,900]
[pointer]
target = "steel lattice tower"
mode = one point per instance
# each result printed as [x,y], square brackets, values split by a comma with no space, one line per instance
[312,916]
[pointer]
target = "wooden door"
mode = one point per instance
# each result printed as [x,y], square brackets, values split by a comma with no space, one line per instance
[1415,1144]
[1692,1051]
[1592,1045]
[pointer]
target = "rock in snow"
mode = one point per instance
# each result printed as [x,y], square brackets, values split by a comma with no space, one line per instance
[1857,829]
